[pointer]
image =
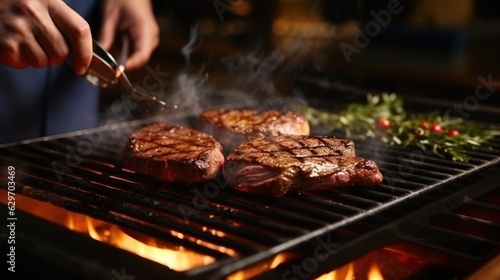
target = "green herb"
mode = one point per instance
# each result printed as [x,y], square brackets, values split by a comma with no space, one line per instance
[383,117]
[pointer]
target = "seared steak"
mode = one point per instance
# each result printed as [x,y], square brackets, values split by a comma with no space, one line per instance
[174,153]
[231,126]
[280,164]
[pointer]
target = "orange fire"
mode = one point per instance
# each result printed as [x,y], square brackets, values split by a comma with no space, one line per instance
[344,273]
[257,269]
[177,258]
[363,268]
[371,266]
[383,263]
[347,272]
[375,273]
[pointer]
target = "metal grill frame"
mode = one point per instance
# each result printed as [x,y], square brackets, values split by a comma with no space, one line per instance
[398,187]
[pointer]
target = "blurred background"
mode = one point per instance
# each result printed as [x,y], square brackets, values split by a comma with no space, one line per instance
[417,47]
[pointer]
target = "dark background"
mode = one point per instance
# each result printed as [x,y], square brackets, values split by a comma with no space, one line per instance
[434,48]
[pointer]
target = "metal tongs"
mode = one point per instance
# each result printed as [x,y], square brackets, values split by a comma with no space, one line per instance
[105,71]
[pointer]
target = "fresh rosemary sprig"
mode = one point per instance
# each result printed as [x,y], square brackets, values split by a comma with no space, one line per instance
[383,117]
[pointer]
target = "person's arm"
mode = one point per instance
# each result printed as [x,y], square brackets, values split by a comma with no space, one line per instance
[134,18]
[39,33]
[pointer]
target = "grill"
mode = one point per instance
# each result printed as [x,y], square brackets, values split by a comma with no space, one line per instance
[423,202]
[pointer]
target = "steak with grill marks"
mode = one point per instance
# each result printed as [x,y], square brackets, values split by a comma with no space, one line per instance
[173,153]
[285,163]
[231,126]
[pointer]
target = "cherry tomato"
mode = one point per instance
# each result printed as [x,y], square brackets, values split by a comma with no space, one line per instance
[436,128]
[383,124]
[423,124]
[453,132]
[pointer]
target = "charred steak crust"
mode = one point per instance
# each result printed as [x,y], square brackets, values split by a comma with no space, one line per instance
[279,164]
[232,126]
[173,153]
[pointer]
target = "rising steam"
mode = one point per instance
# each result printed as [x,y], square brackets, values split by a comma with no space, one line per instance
[194,42]
[237,80]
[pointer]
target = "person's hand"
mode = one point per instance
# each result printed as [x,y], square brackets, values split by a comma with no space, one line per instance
[133,18]
[39,33]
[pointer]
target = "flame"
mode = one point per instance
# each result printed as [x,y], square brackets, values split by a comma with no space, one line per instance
[177,258]
[181,259]
[345,272]
[375,273]
[259,268]
[352,271]
[280,258]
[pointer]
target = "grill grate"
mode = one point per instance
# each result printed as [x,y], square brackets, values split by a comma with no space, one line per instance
[82,173]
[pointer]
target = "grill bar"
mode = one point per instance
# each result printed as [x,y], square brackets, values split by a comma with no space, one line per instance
[469,225]
[447,240]
[431,243]
[255,227]
[113,199]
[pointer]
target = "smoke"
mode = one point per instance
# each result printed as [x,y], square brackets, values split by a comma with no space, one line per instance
[254,72]
[236,80]
[194,42]
[258,79]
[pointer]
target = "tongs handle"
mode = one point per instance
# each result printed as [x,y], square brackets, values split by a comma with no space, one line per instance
[122,57]
[102,69]
[120,78]
[105,71]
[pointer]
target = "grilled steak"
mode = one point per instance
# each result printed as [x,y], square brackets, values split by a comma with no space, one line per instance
[231,126]
[280,164]
[173,153]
